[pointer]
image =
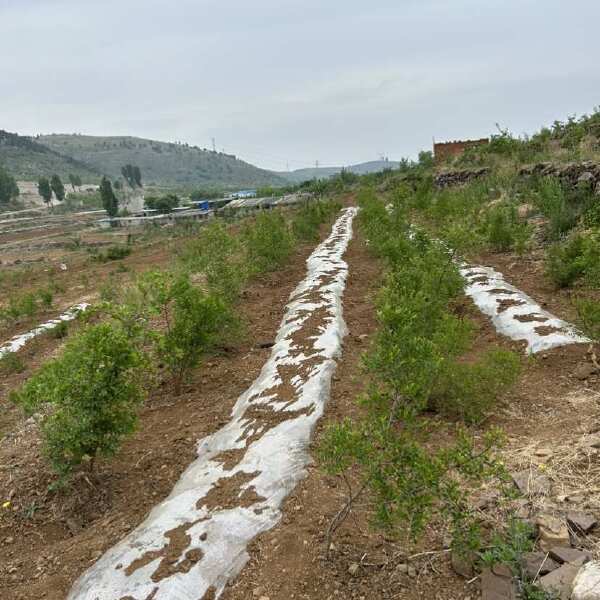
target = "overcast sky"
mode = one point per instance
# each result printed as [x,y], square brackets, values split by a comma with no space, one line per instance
[294,81]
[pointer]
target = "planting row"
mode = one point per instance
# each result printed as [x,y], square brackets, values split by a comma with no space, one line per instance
[88,398]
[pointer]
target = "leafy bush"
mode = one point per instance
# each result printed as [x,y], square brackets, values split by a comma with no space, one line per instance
[308,219]
[113,253]
[11,362]
[219,256]
[503,229]
[92,392]
[60,330]
[565,262]
[268,242]
[413,366]
[588,312]
[163,204]
[193,320]
[469,390]
[552,201]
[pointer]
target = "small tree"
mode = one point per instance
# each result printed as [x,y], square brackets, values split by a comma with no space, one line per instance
[193,320]
[137,176]
[8,187]
[132,175]
[44,190]
[57,187]
[93,391]
[163,204]
[74,180]
[109,200]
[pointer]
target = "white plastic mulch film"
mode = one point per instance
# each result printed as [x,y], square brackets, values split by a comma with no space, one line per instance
[19,341]
[514,314]
[193,542]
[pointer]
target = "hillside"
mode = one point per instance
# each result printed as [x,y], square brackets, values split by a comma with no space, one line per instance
[373,166]
[161,163]
[27,159]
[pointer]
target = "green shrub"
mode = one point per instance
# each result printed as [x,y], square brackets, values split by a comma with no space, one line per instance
[11,362]
[588,312]
[193,320]
[60,331]
[219,256]
[552,202]
[308,219]
[46,296]
[114,253]
[92,392]
[469,390]
[268,242]
[503,229]
[565,261]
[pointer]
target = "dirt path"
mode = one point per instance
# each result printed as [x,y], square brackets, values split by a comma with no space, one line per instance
[47,538]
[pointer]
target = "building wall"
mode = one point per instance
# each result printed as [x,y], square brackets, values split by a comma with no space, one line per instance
[445,150]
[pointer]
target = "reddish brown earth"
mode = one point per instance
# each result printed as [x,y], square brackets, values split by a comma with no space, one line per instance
[48,538]
[54,536]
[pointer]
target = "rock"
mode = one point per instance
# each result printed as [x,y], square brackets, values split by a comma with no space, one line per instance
[412,572]
[585,370]
[529,482]
[9,540]
[560,581]
[537,563]
[586,178]
[581,522]
[553,532]
[544,452]
[586,585]
[353,569]
[402,568]
[497,587]
[524,210]
[564,554]
[463,564]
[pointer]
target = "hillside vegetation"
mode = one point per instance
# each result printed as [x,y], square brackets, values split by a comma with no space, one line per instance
[26,159]
[161,163]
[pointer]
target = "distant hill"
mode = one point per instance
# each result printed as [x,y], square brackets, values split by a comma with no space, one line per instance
[161,163]
[26,159]
[324,172]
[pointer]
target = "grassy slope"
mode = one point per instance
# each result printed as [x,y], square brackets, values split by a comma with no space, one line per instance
[27,160]
[161,163]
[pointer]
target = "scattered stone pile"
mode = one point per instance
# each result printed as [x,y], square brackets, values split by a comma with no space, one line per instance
[450,178]
[560,566]
[585,172]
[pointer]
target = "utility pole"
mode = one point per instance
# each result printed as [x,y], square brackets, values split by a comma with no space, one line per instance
[214,145]
[316,164]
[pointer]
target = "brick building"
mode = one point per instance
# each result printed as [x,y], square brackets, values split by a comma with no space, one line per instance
[445,150]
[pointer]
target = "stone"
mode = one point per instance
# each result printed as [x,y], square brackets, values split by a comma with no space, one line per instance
[353,569]
[402,568]
[524,210]
[585,370]
[586,585]
[586,177]
[463,564]
[564,554]
[560,581]
[412,572]
[535,564]
[553,532]
[9,540]
[580,521]
[529,482]
[497,587]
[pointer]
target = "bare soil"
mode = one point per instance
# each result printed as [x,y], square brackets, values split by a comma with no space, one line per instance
[48,538]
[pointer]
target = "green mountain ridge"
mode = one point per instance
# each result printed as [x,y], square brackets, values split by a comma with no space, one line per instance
[26,159]
[161,163]
[300,175]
